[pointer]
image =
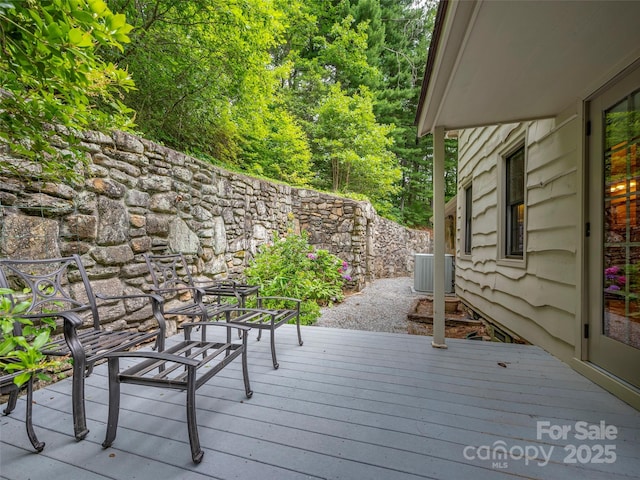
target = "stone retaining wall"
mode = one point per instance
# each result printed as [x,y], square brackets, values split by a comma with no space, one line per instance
[141,197]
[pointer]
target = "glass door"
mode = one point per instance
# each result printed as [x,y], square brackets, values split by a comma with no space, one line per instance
[614,242]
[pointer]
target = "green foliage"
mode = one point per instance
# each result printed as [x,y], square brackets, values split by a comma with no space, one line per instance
[51,74]
[345,53]
[290,267]
[277,148]
[369,12]
[407,30]
[336,47]
[21,348]
[206,81]
[353,149]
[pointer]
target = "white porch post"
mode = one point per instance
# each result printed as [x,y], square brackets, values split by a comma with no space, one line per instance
[439,240]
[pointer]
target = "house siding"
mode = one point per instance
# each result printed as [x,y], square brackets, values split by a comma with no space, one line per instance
[534,299]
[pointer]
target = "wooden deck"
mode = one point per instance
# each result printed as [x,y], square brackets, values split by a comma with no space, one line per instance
[349,405]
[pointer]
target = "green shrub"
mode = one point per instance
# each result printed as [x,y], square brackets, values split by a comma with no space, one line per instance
[290,267]
[21,350]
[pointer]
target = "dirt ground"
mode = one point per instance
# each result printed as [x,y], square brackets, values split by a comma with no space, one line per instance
[458,323]
[457,331]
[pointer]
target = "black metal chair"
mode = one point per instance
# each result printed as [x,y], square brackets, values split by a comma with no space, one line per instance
[59,288]
[171,276]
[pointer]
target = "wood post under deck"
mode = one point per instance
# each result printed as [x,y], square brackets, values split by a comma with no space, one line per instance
[439,240]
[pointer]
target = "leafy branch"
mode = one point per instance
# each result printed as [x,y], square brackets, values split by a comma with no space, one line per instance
[54,83]
[22,341]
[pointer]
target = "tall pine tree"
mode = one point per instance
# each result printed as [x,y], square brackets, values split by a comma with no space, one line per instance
[407,31]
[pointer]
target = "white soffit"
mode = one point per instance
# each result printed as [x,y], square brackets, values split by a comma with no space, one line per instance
[507,61]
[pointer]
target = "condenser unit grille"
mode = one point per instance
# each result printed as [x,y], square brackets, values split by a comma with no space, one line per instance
[423,273]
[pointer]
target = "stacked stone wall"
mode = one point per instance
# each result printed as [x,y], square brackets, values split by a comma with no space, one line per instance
[141,197]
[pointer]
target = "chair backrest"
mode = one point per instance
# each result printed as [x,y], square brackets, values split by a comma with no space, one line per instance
[51,285]
[169,271]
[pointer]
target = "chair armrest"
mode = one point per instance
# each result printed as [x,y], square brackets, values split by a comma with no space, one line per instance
[178,289]
[214,283]
[198,296]
[228,289]
[297,301]
[71,322]
[200,293]
[68,316]
[214,324]
[248,310]
[155,356]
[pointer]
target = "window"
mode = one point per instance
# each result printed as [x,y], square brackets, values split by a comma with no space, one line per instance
[514,205]
[468,216]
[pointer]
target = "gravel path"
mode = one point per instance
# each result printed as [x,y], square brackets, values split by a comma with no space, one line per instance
[380,307]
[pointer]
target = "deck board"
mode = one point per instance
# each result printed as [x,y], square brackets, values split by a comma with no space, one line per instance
[348,404]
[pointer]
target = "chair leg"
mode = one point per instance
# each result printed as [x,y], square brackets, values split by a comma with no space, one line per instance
[300,342]
[77,400]
[11,403]
[114,402]
[227,352]
[192,425]
[29,420]
[77,382]
[276,365]
[245,369]
[158,346]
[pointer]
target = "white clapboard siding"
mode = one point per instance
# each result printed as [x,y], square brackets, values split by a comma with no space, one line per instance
[536,299]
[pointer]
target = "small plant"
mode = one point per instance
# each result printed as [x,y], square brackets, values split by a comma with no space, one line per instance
[290,267]
[623,279]
[21,340]
[615,279]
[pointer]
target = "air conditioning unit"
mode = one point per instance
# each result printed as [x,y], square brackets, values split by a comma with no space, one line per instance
[423,273]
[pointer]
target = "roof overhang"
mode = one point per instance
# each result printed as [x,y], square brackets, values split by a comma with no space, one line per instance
[493,62]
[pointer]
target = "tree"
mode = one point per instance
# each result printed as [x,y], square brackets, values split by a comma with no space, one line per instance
[54,83]
[278,148]
[417,195]
[369,12]
[407,35]
[324,46]
[381,44]
[344,55]
[206,81]
[353,149]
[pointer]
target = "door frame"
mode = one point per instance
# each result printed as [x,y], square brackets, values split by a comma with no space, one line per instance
[586,266]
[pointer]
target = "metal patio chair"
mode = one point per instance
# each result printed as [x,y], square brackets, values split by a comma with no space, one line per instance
[59,288]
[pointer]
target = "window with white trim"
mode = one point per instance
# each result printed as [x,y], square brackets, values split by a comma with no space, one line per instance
[514,203]
[468,218]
